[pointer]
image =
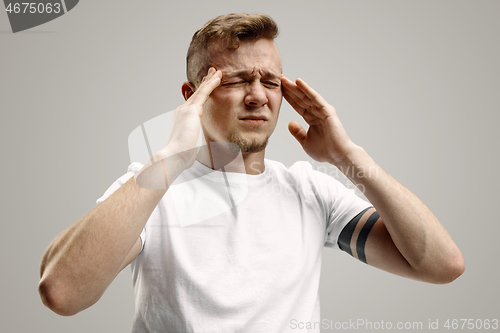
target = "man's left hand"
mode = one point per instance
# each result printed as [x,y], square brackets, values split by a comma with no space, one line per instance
[326,139]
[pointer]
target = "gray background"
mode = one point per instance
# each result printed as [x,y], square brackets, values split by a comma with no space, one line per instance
[415,83]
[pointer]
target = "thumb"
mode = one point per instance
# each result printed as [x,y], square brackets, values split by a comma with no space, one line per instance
[297,131]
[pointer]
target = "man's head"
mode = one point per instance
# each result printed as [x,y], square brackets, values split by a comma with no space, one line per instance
[244,108]
[224,32]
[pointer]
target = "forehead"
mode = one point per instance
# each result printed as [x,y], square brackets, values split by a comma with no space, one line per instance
[250,57]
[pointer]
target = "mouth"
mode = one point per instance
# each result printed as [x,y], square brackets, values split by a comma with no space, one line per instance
[254,120]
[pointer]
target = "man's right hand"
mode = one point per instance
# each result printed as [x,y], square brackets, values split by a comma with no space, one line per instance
[80,263]
[180,151]
[187,117]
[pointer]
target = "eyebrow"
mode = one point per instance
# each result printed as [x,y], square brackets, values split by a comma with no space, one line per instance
[246,72]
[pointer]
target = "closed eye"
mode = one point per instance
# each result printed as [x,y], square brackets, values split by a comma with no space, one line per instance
[268,84]
[233,83]
[271,84]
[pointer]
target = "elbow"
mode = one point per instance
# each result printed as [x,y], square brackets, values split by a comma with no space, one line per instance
[54,298]
[455,269]
[441,271]
[450,270]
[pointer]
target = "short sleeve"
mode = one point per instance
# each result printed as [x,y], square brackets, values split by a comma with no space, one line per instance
[343,208]
[131,171]
[338,204]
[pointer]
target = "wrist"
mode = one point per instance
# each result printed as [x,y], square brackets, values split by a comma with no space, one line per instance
[162,170]
[349,157]
[175,160]
[354,161]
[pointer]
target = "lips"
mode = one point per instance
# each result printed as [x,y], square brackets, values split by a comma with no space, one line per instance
[254,118]
[254,121]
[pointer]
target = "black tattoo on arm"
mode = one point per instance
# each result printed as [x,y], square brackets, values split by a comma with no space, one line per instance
[363,235]
[346,235]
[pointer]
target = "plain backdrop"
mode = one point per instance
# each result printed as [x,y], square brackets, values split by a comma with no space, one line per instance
[416,83]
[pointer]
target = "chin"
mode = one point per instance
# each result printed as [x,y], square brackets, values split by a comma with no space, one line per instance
[249,146]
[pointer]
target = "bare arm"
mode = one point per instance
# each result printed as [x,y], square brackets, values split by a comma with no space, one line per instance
[403,236]
[84,259]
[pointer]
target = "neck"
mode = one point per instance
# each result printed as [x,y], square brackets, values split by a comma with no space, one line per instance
[251,163]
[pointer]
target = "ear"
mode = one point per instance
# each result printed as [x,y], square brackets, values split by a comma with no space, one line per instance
[187,90]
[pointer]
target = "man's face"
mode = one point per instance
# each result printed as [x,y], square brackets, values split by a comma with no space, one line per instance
[244,108]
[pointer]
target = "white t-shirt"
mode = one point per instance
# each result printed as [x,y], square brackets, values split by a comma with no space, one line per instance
[230,252]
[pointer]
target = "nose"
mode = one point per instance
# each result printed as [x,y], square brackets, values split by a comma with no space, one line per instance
[256,94]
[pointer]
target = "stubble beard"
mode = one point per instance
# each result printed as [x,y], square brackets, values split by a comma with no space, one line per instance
[248,146]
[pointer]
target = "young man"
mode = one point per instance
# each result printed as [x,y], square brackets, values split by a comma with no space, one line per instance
[253,266]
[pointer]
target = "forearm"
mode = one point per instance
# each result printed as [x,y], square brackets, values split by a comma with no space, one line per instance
[414,229]
[83,260]
[409,240]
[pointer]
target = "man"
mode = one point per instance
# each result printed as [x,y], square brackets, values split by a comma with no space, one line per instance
[255,266]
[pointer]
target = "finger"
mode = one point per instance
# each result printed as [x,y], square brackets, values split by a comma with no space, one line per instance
[210,82]
[290,89]
[297,94]
[286,81]
[311,94]
[210,73]
[300,110]
[289,85]
[297,100]
[297,131]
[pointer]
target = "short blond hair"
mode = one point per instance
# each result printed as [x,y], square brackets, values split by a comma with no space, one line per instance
[230,30]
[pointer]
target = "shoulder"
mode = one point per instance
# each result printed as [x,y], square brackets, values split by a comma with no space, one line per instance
[318,180]
[134,167]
